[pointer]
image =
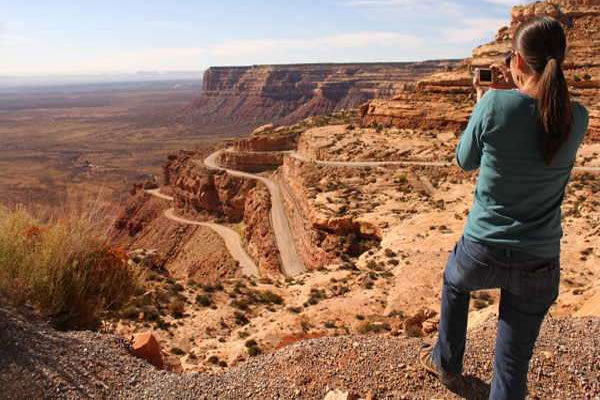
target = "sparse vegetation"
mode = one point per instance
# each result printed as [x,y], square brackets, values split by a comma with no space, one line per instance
[203,300]
[63,269]
[372,327]
[177,308]
[240,318]
[253,351]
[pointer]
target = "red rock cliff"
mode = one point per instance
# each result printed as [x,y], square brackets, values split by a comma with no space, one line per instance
[288,93]
[451,93]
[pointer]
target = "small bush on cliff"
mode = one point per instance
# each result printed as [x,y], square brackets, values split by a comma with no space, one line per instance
[62,268]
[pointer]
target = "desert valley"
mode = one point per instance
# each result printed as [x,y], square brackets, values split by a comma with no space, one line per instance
[289,226]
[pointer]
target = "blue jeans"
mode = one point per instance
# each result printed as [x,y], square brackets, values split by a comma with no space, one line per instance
[529,286]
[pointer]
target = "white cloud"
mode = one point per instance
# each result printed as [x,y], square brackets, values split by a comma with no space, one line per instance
[185,58]
[472,30]
[339,41]
[508,3]
[417,7]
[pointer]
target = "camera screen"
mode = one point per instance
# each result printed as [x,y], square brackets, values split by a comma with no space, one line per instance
[485,75]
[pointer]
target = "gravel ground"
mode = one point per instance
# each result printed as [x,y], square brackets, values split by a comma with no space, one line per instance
[38,362]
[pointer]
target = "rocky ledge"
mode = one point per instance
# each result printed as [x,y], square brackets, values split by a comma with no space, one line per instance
[288,93]
[39,362]
[444,100]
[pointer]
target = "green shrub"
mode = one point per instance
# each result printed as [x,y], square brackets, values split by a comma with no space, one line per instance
[253,351]
[240,318]
[203,300]
[177,351]
[176,288]
[243,334]
[150,313]
[268,297]
[177,308]
[63,268]
[130,312]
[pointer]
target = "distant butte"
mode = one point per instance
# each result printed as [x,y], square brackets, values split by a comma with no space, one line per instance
[247,96]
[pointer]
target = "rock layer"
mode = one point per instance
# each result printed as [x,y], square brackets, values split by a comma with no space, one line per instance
[321,240]
[288,93]
[201,193]
[198,190]
[258,233]
[444,100]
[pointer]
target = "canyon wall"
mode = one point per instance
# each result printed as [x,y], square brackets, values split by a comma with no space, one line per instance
[288,93]
[322,238]
[203,194]
[444,100]
[184,251]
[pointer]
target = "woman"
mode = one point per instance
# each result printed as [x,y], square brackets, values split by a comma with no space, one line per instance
[524,143]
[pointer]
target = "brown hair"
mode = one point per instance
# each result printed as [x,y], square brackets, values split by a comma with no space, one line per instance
[542,44]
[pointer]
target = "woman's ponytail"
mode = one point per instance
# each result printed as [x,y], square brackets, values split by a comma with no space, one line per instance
[554,109]
[542,43]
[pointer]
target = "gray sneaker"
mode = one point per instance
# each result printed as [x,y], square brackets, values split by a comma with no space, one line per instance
[427,362]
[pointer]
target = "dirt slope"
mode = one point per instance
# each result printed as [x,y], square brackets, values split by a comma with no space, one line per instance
[36,362]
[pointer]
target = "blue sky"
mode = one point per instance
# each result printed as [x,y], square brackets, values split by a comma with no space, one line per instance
[41,37]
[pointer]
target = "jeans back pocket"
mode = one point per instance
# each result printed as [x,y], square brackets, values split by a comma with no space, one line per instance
[540,283]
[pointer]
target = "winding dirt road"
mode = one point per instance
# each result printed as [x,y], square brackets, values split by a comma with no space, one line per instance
[291,263]
[232,240]
[362,164]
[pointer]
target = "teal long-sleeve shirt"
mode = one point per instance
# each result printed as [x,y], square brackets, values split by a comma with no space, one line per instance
[518,197]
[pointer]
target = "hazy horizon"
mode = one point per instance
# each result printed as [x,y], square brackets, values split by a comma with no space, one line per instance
[9,82]
[40,39]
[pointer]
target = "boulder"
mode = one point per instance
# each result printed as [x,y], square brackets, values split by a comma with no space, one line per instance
[146,346]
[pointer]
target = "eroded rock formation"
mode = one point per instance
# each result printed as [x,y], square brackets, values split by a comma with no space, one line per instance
[205,194]
[184,251]
[250,161]
[258,234]
[444,100]
[289,93]
[198,190]
[321,239]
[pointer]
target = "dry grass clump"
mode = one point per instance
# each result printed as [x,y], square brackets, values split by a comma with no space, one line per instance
[63,268]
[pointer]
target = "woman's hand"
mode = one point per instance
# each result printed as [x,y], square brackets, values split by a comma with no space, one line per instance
[502,77]
[479,88]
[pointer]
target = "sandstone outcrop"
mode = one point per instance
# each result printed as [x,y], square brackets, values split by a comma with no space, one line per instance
[250,161]
[198,190]
[274,140]
[321,238]
[258,233]
[203,193]
[443,100]
[181,251]
[288,93]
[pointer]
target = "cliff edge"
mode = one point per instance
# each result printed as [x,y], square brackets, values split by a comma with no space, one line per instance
[39,362]
[245,96]
[451,93]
